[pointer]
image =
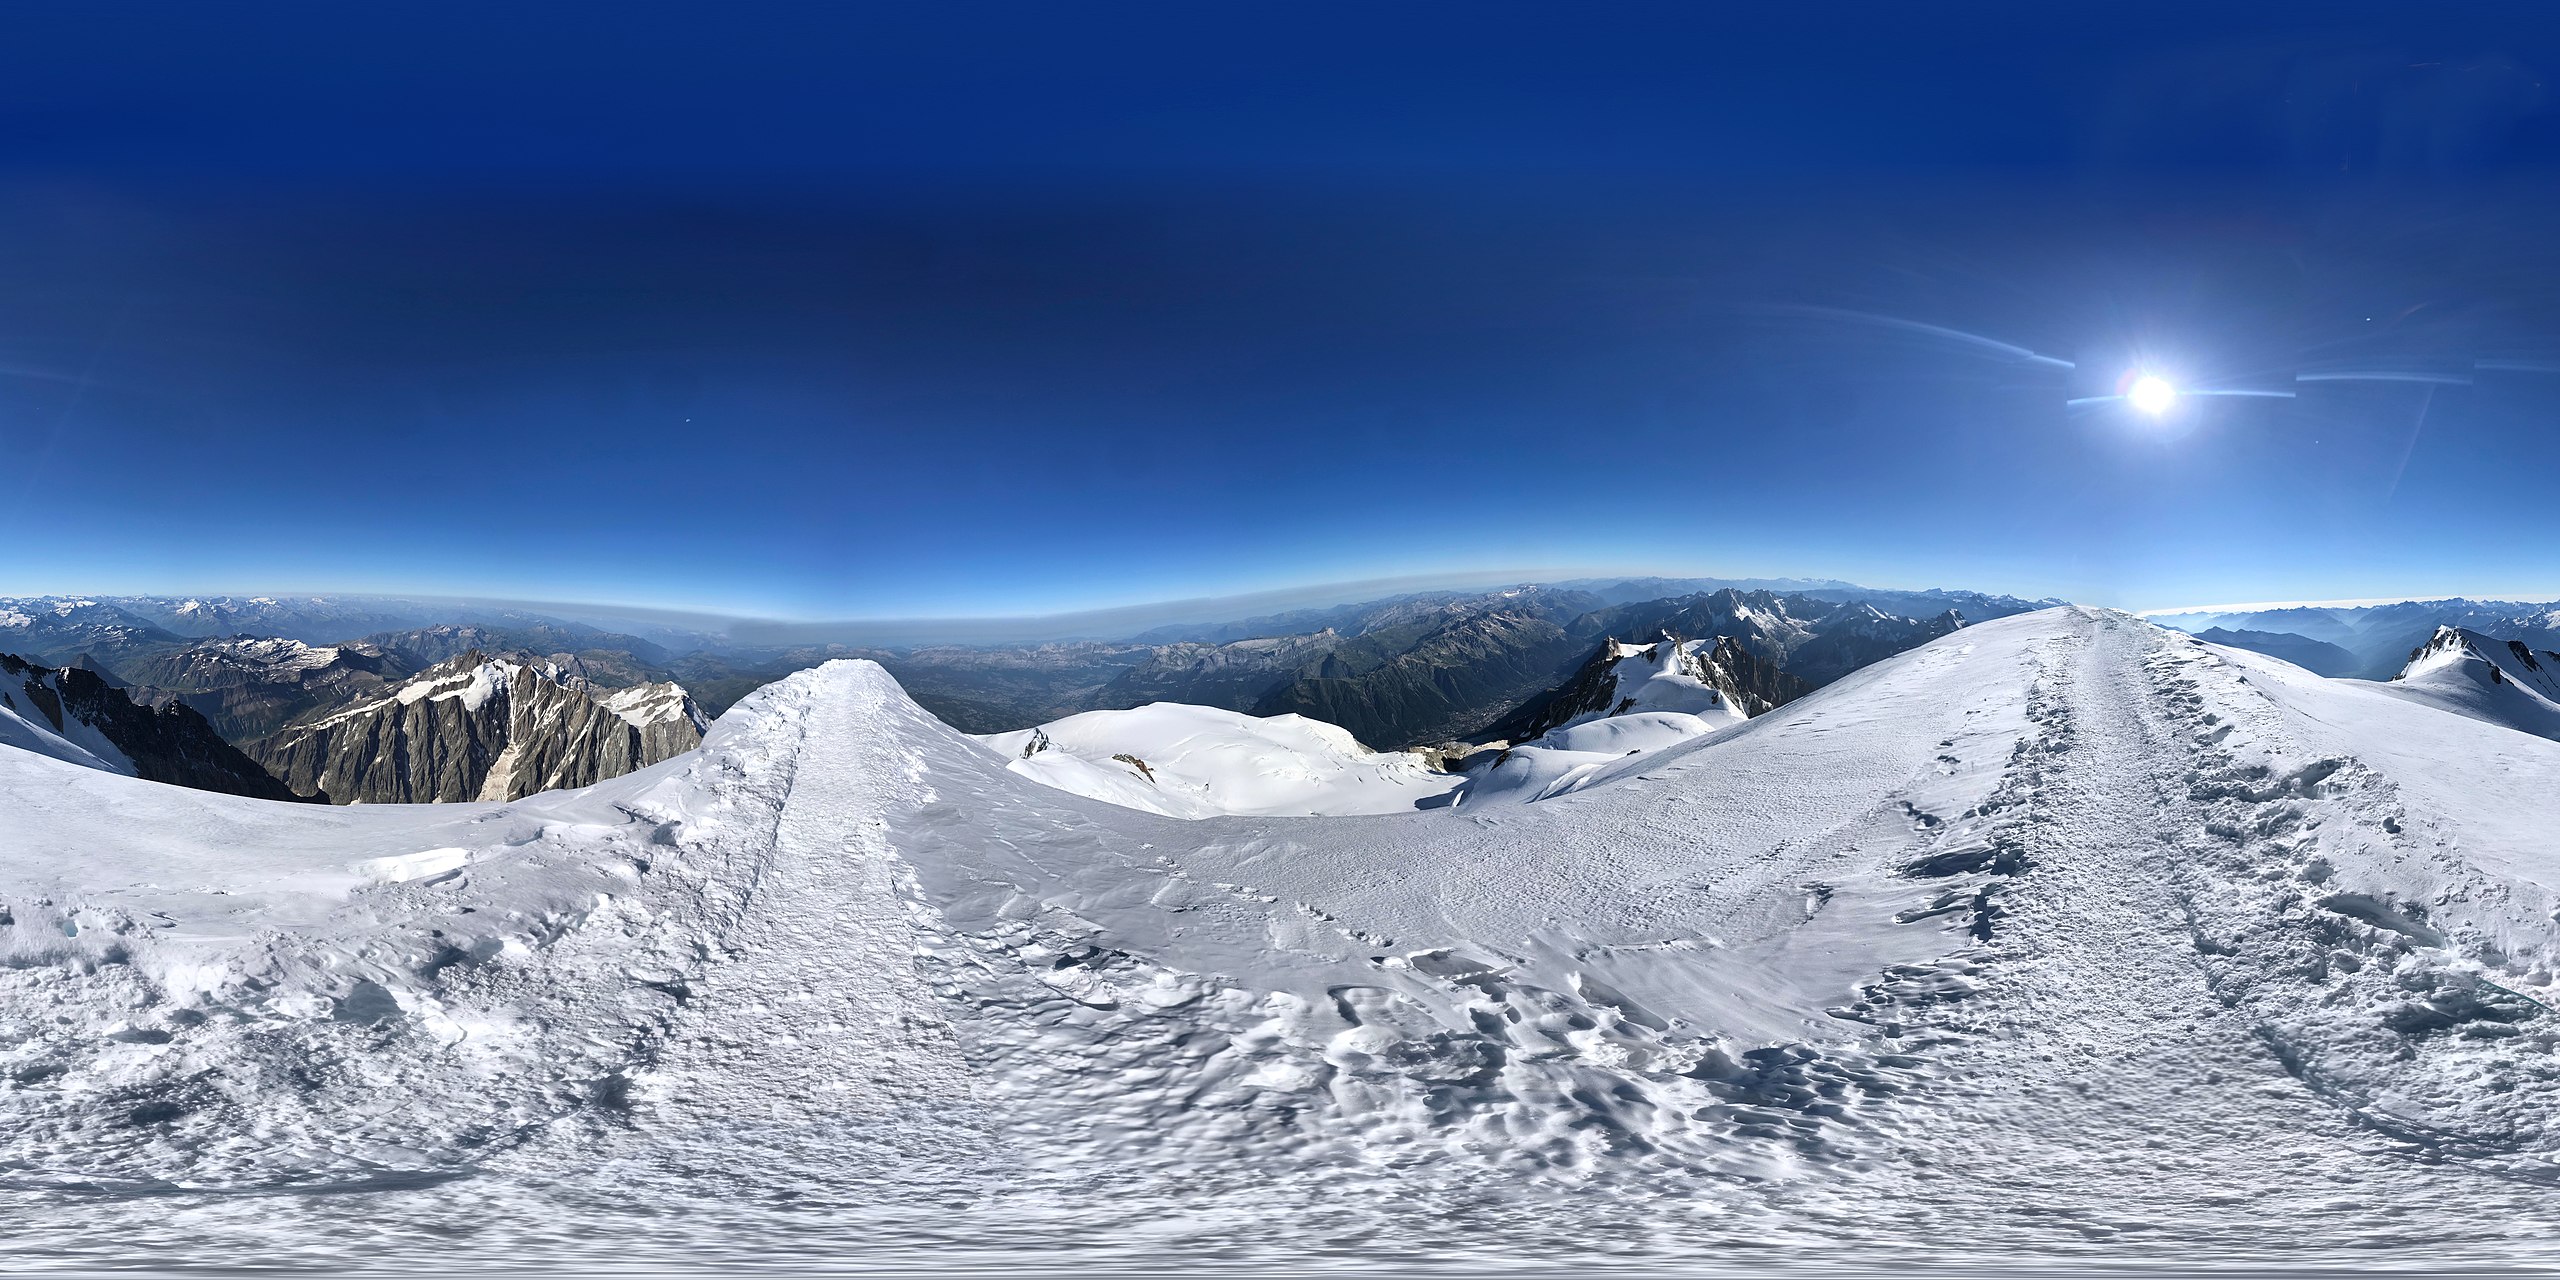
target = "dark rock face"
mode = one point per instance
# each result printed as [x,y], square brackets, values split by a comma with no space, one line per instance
[1760,620]
[1753,683]
[171,744]
[1400,671]
[603,657]
[1403,672]
[1428,669]
[476,728]
[1815,639]
[1234,676]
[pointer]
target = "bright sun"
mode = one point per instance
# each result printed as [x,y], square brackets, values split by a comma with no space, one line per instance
[2152,394]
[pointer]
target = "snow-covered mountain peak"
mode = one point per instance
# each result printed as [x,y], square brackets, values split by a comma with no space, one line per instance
[659,703]
[1672,675]
[2504,682]
[472,678]
[2510,660]
[275,653]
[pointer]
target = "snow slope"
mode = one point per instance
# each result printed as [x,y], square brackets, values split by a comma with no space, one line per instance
[1187,761]
[1195,762]
[2062,937]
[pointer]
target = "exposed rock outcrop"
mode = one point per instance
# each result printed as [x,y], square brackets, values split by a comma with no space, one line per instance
[478,728]
[83,718]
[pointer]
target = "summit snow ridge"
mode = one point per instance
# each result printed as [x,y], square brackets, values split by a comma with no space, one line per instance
[2060,932]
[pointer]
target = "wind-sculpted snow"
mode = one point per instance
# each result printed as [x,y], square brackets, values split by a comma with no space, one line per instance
[2061,937]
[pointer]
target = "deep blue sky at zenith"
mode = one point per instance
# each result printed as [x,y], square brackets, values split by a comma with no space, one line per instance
[857,309]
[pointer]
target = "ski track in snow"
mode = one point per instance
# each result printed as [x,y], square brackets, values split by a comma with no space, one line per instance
[2061,941]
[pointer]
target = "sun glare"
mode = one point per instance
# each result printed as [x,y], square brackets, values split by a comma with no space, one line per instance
[2152,394]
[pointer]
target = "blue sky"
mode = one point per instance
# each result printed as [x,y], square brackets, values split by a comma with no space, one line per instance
[858,310]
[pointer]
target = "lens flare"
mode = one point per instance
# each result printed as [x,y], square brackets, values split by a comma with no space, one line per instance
[2152,394]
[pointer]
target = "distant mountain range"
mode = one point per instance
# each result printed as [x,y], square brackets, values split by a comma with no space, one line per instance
[2317,656]
[2378,639]
[326,692]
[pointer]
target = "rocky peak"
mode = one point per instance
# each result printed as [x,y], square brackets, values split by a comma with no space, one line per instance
[477,727]
[2504,661]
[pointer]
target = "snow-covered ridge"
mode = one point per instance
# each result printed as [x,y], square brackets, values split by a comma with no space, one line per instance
[1677,676]
[2501,682]
[269,653]
[2057,932]
[647,705]
[2512,661]
[1630,701]
[1196,762]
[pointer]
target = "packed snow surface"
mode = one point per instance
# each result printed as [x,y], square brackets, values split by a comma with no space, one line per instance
[2063,940]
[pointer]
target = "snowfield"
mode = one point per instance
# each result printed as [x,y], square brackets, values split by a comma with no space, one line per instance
[1195,762]
[2061,940]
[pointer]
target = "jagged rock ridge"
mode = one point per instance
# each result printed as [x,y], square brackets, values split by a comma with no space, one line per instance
[482,728]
